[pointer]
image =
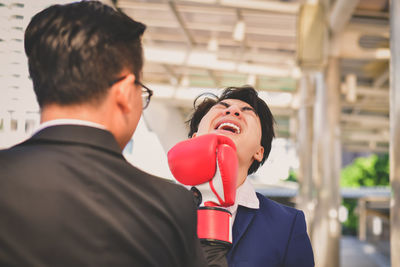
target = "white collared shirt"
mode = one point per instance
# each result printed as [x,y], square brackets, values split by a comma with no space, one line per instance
[246,197]
[68,122]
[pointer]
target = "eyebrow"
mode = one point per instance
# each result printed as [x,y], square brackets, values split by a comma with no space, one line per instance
[242,108]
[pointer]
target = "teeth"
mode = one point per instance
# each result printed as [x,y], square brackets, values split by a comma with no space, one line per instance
[237,129]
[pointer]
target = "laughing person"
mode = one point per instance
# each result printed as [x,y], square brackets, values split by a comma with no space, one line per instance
[264,233]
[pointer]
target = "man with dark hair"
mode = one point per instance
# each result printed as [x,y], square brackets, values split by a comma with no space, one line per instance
[265,233]
[67,195]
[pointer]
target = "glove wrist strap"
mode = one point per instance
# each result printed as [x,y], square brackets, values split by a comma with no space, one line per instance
[214,224]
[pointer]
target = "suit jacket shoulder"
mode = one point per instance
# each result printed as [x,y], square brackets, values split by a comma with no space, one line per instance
[69,190]
[273,235]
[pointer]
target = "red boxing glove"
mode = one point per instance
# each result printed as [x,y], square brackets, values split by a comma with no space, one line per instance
[209,162]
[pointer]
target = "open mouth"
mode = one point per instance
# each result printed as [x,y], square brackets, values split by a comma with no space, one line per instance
[227,126]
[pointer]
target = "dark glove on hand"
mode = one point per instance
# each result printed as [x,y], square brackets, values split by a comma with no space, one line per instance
[215,253]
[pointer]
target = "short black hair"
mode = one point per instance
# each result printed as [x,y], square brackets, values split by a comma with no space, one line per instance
[246,94]
[75,51]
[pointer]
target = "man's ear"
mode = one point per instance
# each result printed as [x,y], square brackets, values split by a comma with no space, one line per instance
[123,91]
[259,155]
[194,135]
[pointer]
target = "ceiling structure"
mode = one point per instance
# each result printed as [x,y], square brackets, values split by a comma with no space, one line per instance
[195,46]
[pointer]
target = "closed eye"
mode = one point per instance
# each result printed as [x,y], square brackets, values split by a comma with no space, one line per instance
[245,108]
[249,109]
[223,104]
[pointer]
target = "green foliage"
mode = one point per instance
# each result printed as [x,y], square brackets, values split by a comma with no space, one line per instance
[292,176]
[364,171]
[349,227]
[370,171]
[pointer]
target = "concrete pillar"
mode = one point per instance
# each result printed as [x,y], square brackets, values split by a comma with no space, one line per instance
[167,122]
[326,231]
[305,200]
[20,117]
[362,220]
[395,132]
[7,122]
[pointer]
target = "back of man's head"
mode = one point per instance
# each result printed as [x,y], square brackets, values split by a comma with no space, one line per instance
[76,51]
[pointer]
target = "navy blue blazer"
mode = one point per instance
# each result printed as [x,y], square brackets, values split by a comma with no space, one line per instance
[273,235]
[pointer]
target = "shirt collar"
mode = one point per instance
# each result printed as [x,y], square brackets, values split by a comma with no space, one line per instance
[68,122]
[246,197]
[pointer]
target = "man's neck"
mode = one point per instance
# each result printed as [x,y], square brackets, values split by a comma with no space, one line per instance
[69,122]
[103,114]
[242,175]
[76,112]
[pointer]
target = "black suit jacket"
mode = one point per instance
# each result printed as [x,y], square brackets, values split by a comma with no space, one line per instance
[69,198]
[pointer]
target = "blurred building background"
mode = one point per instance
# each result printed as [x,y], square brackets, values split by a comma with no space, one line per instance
[324,68]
